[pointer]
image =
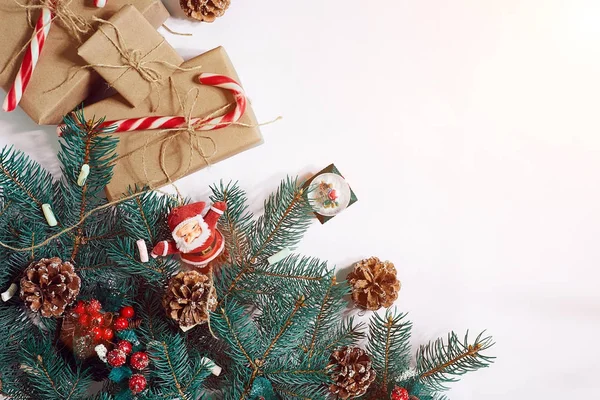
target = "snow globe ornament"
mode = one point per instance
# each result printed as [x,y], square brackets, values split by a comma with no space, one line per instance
[329,194]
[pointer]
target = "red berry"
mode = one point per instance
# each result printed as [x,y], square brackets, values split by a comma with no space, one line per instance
[84,320]
[98,319]
[139,360]
[121,324]
[125,346]
[333,195]
[93,307]
[127,312]
[108,334]
[137,383]
[97,333]
[399,394]
[116,358]
[80,308]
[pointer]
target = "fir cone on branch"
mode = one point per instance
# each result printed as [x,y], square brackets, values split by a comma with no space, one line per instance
[351,371]
[204,10]
[49,286]
[374,284]
[190,297]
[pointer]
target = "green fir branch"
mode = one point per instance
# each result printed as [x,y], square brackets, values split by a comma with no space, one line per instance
[25,184]
[48,376]
[389,345]
[236,221]
[439,362]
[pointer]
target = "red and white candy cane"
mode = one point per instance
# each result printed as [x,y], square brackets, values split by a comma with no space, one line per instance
[99,3]
[32,55]
[203,124]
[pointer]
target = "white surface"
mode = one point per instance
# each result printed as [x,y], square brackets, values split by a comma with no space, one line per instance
[469,130]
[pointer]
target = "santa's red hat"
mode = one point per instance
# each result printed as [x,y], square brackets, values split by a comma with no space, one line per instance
[181,214]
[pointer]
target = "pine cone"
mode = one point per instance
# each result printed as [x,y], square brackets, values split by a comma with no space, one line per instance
[49,286]
[351,372]
[374,284]
[204,10]
[189,298]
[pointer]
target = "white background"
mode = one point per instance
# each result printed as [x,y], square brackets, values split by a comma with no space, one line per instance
[469,131]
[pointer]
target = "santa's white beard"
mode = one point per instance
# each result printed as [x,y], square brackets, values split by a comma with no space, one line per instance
[199,241]
[188,247]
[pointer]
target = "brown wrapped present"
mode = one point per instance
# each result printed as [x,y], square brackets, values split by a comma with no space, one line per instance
[46,98]
[142,155]
[130,55]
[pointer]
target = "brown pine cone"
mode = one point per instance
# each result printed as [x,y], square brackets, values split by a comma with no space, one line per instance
[351,372]
[189,298]
[204,10]
[49,286]
[374,284]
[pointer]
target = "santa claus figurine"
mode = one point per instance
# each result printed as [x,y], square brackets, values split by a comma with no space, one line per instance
[195,238]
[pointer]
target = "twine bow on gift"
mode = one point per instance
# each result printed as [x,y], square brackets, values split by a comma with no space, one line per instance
[191,128]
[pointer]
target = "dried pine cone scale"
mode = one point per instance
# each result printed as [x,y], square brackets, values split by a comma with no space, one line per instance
[189,298]
[374,284]
[351,371]
[204,10]
[49,286]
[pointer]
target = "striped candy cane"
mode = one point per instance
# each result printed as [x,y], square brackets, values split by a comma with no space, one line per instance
[99,3]
[155,123]
[32,55]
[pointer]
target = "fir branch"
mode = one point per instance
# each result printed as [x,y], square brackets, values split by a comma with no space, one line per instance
[439,363]
[287,217]
[288,322]
[236,221]
[48,375]
[347,334]
[389,345]
[24,183]
[320,316]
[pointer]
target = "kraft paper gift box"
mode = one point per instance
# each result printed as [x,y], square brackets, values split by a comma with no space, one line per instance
[59,56]
[141,150]
[130,55]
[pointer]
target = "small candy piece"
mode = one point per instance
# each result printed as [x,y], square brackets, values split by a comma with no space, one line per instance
[125,346]
[80,308]
[121,324]
[143,250]
[49,215]
[275,258]
[100,3]
[93,307]
[140,360]
[214,368]
[127,312]
[137,383]
[116,358]
[108,334]
[101,351]
[12,290]
[83,174]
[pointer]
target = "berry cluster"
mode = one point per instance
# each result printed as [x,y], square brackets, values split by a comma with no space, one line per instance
[91,320]
[138,361]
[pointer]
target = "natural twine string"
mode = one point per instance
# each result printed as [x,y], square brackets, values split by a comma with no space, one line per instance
[75,25]
[133,59]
